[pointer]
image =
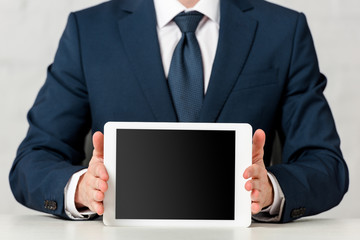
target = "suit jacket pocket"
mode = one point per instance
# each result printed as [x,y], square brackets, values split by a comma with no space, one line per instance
[256,79]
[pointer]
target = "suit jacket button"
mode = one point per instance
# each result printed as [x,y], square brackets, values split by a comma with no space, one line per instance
[51,205]
[303,210]
[46,204]
[298,212]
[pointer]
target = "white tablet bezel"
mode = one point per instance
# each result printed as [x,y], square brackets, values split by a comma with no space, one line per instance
[243,136]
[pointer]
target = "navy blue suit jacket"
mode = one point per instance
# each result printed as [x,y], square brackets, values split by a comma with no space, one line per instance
[108,68]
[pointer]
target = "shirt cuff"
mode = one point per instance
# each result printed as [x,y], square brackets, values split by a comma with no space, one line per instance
[273,212]
[69,199]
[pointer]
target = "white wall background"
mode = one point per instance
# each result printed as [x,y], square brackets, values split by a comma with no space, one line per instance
[30,31]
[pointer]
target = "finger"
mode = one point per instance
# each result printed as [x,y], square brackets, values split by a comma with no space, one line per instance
[248,186]
[97,207]
[98,196]
[255,207]
[254,171]
[246,173]
[98,170]
[258,145]
[101,172]
[96,183]
[255,195]
[253,184]
[100,185]
[98,143]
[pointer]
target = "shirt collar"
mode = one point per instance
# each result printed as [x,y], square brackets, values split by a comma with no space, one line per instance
[166,10]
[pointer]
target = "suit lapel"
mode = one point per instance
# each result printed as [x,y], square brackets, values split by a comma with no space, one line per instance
[137,26]
[236,35]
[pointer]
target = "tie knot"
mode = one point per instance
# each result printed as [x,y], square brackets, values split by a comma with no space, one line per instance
[188,22]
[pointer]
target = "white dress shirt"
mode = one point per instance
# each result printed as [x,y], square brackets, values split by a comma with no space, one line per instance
[169,35]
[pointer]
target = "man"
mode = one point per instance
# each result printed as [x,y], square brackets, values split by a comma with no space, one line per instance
[120,61]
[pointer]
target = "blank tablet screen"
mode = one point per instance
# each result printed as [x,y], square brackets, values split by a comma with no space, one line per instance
[175,174]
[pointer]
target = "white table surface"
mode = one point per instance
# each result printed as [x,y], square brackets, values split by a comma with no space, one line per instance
[39,226]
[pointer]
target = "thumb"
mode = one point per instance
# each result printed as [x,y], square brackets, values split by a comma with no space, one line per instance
[98,142]
[258,146]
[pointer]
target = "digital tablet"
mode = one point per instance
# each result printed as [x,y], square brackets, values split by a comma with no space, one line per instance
[177,174]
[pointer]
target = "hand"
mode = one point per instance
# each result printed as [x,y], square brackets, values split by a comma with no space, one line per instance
[91,188]
[260,185]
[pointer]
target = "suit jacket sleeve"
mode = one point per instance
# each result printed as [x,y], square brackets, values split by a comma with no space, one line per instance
[58,122]
[313,175]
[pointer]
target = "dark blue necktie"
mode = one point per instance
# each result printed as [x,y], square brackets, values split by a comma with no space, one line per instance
[186,78]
